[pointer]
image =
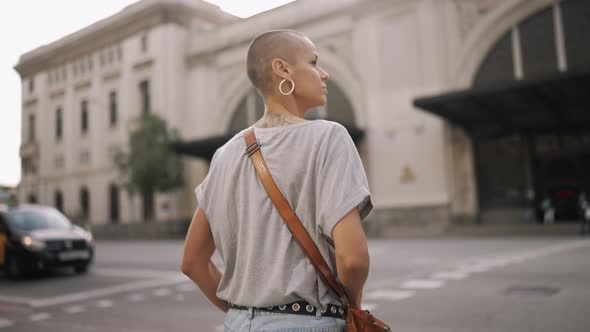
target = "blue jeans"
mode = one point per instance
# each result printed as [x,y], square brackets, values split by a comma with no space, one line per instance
[245,321]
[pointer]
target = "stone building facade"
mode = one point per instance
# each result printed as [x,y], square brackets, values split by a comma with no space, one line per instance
[382,56]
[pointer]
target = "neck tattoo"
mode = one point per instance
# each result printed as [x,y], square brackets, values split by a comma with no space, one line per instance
[270,120]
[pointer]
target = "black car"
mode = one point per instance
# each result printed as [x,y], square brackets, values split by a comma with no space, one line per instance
[35,237]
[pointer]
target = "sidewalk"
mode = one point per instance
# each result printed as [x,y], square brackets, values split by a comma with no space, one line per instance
[474,230]
[565,229]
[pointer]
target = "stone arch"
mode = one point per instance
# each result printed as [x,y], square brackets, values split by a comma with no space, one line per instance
[473,52]
[484,36]
[340,73]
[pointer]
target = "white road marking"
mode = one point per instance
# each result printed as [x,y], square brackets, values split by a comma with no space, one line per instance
[40,316]
[186,287]
[136,297]
[499,262]
[15,299]
[450,275]
[5,323]
[161,292]
[368,306]
[74,309]
[102,292]
[422,284]
[389,295]
[475,268]
[104,303]
[135,273]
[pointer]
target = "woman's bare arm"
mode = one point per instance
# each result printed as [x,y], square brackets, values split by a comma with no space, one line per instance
[196,261]
[352,255]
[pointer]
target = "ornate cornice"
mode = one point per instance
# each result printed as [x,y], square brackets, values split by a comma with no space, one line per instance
[131,20]
[290,15]
[471,11]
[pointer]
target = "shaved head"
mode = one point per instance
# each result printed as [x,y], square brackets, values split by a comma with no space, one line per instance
[283,44]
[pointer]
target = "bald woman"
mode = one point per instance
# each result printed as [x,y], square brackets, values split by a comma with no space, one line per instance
[268,283]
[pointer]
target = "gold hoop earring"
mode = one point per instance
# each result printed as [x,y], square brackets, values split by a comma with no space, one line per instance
[281,87]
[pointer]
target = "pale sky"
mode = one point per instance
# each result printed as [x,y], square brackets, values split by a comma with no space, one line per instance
[28,24]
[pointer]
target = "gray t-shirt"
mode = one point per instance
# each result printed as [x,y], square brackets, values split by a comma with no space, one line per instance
[318,169]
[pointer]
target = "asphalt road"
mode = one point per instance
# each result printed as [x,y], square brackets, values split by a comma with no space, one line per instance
[426,285]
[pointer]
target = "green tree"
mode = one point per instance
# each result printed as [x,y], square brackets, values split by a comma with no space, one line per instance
[149,166]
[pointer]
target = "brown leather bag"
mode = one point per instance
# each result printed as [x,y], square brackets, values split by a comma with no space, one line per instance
[356,319]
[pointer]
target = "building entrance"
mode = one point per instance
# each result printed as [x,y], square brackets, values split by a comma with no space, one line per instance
[518,172]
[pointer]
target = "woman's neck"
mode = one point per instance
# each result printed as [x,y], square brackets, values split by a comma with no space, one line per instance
[276,115]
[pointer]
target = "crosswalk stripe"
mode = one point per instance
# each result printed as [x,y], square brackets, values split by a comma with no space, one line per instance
[161,292]
[104,303]
[389,295]
[40,316]
[368,306]
[186,287]
[450,275]
[5,323]
[422,284]
[74,309]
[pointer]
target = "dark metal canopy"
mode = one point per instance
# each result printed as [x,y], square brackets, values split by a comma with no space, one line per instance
[205,148]
[556,104]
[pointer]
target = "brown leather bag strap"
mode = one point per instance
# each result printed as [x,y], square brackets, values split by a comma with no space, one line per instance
[290,218]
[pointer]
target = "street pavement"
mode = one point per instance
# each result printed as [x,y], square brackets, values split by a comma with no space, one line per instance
[435,284]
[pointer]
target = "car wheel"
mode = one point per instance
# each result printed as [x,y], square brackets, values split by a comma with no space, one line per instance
[81,269]
[13,269]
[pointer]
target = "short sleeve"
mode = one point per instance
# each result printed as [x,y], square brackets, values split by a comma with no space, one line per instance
[203,192]
[342,183]
[202,196]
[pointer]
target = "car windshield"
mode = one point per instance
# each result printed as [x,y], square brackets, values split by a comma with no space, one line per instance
[30,220]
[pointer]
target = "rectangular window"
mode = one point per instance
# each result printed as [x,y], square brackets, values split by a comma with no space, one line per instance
[144,43]
[144,90]
[31,84]
[84,116]
[58,124]
[113,108]
[31,127]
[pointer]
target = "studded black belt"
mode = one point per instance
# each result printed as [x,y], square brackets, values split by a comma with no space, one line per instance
[298,308]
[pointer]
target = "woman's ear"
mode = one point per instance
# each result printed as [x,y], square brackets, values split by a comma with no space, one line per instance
[281,68]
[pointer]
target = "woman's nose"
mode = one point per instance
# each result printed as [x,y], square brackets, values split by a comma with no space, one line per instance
[325,76]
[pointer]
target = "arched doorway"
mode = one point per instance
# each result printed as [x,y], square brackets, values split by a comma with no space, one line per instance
[58,201]
[114,204]
[32,198]
[526,112]
[548,163]
[84,205]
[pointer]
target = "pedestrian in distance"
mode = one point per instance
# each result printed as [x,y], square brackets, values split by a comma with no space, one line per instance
[584,209]
[269,283]
[548,211]
[530,208]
